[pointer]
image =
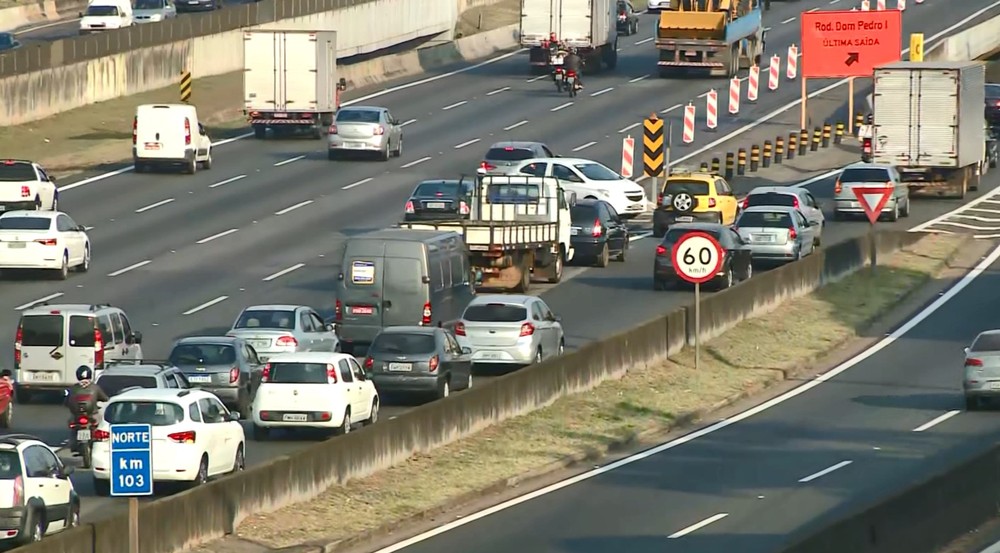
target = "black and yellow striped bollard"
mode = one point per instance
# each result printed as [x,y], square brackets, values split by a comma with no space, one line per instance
[859,119]
[827,133]
[768,152]
[754,158]
[730,162]
[715,165]
[703,168]
[838,135]
[817,139]
[185,86]
[803,142]
[741,162]
[793,145]
[779,149]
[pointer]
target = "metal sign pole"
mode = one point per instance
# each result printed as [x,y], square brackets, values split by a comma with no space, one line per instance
[850,104]
[802,115]
[697,326]
[133,524]
[872,253]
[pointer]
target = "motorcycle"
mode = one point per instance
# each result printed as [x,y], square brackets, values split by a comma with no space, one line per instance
[556,61]
[572,85]
[81,428]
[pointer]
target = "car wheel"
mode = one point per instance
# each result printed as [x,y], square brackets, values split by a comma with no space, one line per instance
[373,414]
[398,152]
[906,208]
[557,270]
[894,216]
[538,356]
[345,427]
[22,395]
[562,347]
[240,462]
[202,476]
[55,202]
[74,516]
[38,203]
[727,279]
[444,389]
[384,154]
[102,487]
[260,433]
[603,257]
[749,274]
[35,528]
[971,403]
[620,258]
[207,164]
[62,273]
[192,167]
[84,266]
[468,381]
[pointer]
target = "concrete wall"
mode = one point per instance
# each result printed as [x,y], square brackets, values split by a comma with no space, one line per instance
[973,43]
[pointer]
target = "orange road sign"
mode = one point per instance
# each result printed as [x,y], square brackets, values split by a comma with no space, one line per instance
[839,44]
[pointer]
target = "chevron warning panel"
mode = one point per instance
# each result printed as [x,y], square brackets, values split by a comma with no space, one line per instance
[652,146]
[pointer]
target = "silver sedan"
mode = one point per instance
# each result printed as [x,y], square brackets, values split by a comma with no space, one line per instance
[510,330]
[365,130]
[274,329]
[776,233]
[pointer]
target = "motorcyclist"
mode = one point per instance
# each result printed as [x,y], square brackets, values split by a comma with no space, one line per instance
[573,62]
[82,397]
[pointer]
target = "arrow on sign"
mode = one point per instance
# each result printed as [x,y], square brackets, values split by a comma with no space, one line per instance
[852,58]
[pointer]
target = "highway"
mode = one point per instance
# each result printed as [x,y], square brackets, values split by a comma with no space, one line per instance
[219,234]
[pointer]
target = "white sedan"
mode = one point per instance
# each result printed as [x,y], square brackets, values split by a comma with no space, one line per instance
[655,6]
[48,240]
[589,180]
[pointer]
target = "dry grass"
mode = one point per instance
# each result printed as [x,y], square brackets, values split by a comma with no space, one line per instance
[645,401]
[486,18]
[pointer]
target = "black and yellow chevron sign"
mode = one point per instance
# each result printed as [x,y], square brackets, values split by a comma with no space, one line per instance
[185,86]
[652,146]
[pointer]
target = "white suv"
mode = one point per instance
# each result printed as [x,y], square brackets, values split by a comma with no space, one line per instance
[36,495]
[195,437]
[25,185]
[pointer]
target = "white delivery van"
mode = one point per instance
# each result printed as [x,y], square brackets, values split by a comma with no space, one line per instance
[169,135]
[102,15]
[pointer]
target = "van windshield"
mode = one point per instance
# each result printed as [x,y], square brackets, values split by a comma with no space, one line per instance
[297,373]
[102,11]
[155,413]
[113,384]
[42,330]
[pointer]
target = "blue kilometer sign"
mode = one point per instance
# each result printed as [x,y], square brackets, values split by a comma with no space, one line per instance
[131,460]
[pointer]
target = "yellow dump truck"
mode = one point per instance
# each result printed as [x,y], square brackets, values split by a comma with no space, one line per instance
[720,36]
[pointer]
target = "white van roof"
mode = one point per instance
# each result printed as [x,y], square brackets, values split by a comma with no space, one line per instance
[147,108]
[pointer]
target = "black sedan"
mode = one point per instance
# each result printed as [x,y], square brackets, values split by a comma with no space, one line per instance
[597,233]
[628,20]
[736,266]
[440,200]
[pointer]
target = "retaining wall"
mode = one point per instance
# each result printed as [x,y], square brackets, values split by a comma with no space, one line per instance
[208,512]
[34,12]
[977,42]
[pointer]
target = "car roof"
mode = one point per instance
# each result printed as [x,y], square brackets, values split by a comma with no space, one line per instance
[13,441]
[991,332]
[213,340]
[135,370]
[522,144]
[412,329]
[32,213]
[173,395]
[507,299]
[15,161]
[698,226]
[273,307]
[865,165]
[776,190]
[564,160]
[362,108]
[68,308]
[308,357]
[770,209]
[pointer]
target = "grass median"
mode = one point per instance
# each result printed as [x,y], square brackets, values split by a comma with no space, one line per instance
[644,403]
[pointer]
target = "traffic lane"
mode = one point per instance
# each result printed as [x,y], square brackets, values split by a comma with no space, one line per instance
[48,32]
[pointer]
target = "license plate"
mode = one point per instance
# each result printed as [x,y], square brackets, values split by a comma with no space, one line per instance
[355,145]
[995,385]
[685,219]
[363,310]
[570,79]
[153,145]
[490,355]
[435,205]
[277,115]
[259,343]
[574,231]
[17,245]
[83,435]
[199,379]
[762,238]
[400,366]
[43,377]
[292,417]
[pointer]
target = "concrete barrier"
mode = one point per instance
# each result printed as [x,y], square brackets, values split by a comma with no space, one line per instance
[42,10]
[977,42]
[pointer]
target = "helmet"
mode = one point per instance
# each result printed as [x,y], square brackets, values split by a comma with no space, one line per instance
[83,372]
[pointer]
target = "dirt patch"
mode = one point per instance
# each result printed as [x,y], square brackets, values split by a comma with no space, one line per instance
[643,402]
[489,17]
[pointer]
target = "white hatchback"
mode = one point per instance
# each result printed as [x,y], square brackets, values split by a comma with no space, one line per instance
[25,185]
[589,180]
[195,437]
[313,390]
[48,240]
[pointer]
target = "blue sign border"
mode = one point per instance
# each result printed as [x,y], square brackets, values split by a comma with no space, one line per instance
[140,453]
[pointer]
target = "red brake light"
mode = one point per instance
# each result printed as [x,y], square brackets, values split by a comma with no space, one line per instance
[973,362]
[508,149]
[18,491]
[795,202]
[331,373]
[47,241]
[333,129]
[527,329]
[379,130]
[187,131]
[598,230]
[746,202]
[17,346]
[425,318]
[711,202]
[369,363]
[234,375]
[98,349]
[338,311]
[83,420]
[408,208]
[266,373]
[487,165]
[463,208]
[432,365]
[8,162]
[837,187]
[661,250]
[135,129]
[459,329]
[25,191]
[187,437]
[570,73]
[287,341]
[792,234]
[101,435]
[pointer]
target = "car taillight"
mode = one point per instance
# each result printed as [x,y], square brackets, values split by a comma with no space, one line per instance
[333,129]
[46,241]
[408,208]
[98,349]
[973,362]
[234,375]
[527,329]
[331,373]
[837,187]
[487,165]
[659,199]
[369,363]
[792,234]
[287,341]
[425,317]
[711,202]
[18,492]
[135,129]
[100,435]
[463,208]
[338,311]
[377,131]
[621,17]
[83,421]
[459,329]
[661,250]
[598,229]
[795,203]
[25,191]
[746,202]
[432,365]
[17,347]
[186,437]
[570,73]
[187,131]
[265,374]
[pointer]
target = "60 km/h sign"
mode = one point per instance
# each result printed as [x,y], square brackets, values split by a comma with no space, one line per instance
[697,257]
[838,44]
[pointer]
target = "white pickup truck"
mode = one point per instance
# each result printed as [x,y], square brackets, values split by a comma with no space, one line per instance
[518,230]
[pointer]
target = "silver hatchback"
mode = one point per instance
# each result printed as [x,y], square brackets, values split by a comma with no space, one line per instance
[776,233]
[153,11]
[365,130]
[275,329]
[510,330]
[982,369]
[846,202]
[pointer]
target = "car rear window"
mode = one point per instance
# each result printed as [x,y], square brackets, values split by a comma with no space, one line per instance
[398,342]
[675,234]
[767,219]
[16,171]
[436,188]
[42,330]
[583,214]
[357,116]
[10,464]
[297,373]
[283,320]
[870,174]
[986,342]
[993,91]
[203,354]
[113,384]
[155,413]
[81,331]
[512,193]
[495,313]
[771,198]
[693,187]
[509,153]
[24,223]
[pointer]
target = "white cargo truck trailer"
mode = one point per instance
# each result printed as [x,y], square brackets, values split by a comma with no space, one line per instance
[590,26]
[929,123]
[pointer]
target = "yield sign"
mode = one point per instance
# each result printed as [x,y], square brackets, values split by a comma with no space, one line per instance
[873,199]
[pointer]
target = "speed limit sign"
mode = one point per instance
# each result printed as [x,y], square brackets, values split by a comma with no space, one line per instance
[697,257]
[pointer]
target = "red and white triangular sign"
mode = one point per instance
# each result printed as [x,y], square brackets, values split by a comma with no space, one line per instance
[873,199]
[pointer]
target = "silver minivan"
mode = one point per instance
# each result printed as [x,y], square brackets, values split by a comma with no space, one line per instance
[861,174]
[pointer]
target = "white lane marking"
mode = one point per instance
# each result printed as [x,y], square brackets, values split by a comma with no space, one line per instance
[359,183]
[936,421]
[538,78]
[697,526]
[834,1]
[671,108]
[516,125]
[564,106]
[988,198]
[640,78]
[287,161]
[415,162]
[214,236]
[824,472]
[130,268]
[205,305]
[466,143]
[584,146]
[787,21]
[498,91]
[605,91]
[455,105]
[293,207]
[643,41]
[810,10]
[154,206]
[38,301]
[407,122]
[630,127]
[227,181]
[283,272]
[640,235]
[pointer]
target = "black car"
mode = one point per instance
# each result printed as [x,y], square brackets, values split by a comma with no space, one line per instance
[437,200]
[628,20]
[8,41]
[993,103]
[597,233]
[736,266]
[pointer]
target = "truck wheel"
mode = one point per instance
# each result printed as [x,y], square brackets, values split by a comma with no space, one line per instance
[556,269]
[524,284]
[259,132]
[610,54]
[317,133]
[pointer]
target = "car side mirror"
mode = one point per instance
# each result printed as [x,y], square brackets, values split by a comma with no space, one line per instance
[80,228]
[136,337]
[329,327]
[234,416]
[79,15]
[466,351]
[965,350]
[67,470]
[555,319]
[52,180]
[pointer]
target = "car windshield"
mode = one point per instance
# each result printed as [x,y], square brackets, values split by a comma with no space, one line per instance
[693,187]
[583,214]
[24,223]
[10,464]
[113,384]
[282,320]
[766,219]
[16,171]
[399,342]
[155,413]
[203,354]
[495,313]
[297,373]
[867,174]
[596,171]
[42,330]
[675,234]
[148,4]
[509,153]
[102,10]
[436,189]
[986,342]
[357,116]
[771,198]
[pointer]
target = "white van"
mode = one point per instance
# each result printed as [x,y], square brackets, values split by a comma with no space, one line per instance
[169,135]
[52,341]
[102,15]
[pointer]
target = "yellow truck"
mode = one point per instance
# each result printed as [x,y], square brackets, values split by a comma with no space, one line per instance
[718,36]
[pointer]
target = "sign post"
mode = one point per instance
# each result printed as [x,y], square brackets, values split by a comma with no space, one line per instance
[132,471]
[697,258]
[846,44]
[652,151]
[872,200]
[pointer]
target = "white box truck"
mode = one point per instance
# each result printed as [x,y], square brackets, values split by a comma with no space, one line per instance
[591,26]
[290,80]
[929,123]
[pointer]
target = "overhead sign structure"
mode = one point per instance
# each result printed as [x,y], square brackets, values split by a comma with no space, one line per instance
[873,199]
[131,460]
[697,257]
[838,44]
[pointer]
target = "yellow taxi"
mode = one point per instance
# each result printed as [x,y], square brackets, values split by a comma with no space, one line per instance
[689,197]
